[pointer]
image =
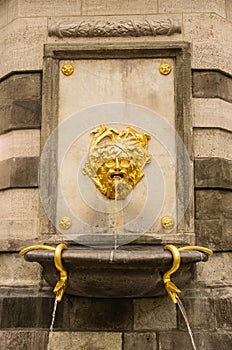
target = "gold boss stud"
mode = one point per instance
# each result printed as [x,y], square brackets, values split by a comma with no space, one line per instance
[65,222]
[165,68]
[167,222]
[67,69]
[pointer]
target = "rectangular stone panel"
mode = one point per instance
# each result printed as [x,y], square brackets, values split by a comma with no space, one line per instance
[21,86]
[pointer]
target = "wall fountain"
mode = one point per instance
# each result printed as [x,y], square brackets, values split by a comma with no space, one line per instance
[115,164]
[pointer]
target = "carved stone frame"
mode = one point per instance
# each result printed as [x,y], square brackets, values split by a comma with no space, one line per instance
[180,53]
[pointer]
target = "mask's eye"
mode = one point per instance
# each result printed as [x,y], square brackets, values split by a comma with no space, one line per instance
[110,163]
[124,163]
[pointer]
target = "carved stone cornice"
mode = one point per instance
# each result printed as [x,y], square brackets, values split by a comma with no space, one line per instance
[123,28]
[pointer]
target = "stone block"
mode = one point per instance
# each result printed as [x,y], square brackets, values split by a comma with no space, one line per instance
[95,314]
[20,143]
[172,6]
[21,339]
[223,311]
[31,8]
[204,340]
[198,319]
[212,84]
[213,204]
[15,271]
[19,204]
[19,172]
[85,341]
[212,113]
[213,172]
[212,143]
[175,340]
[214,234]
[155,314]
[26,311]
[216,271]
[20,114]
[214,54]
[114,7]
[3,13]
[21,86]
[22,44]
[229,10]
[138,341]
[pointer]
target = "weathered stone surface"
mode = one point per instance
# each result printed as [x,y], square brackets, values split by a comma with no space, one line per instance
[26,340]
[20,143]
[216,6]
[212,143]
[213,204]
[17,272]
[229,10]
[198,318]
[223,312]
[95,314]
[20,114]
[85,341]
[155,314]
[212,84]
[137,341]
[26,312]
[114,7]
[21,86]
[216,271]
[31,8]
[19,172]
[213,172]
[212,113]
[21,45]
[176,340]
[3,13]
[204,340]
[19,204]
[214,234]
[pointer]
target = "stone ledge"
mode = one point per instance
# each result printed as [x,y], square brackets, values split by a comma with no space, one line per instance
[19,172]
[213,173]
[212,84]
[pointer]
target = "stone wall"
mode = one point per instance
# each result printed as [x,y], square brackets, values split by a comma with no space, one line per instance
[26,301]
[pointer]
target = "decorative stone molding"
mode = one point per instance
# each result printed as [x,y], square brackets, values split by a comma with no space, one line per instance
[128,28]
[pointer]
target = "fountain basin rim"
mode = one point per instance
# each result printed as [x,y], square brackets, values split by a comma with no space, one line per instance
[128,256]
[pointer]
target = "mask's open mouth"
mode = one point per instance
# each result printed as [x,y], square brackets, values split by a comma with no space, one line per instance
[117,175]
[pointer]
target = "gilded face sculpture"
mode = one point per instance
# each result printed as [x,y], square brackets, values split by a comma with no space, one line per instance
[116,160]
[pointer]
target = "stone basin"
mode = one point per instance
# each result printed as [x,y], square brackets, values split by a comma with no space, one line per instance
[128,272]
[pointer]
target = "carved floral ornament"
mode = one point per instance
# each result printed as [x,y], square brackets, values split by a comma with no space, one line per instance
[107,28]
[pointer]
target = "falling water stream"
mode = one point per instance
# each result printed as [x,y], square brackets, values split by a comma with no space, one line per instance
[116,217]
[183,312]
[52,323]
